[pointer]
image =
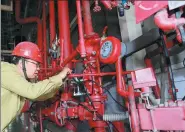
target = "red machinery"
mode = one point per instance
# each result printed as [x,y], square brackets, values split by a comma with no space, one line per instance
[93,51]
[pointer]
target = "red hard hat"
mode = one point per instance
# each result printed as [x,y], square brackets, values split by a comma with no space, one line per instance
[28,50]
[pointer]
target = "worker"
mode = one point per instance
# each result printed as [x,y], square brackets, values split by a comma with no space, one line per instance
[15,87]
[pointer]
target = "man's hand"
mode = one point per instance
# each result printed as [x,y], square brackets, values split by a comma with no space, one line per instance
[65,72]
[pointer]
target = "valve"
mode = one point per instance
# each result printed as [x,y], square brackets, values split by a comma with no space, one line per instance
[54,49]
[110,50]
[96,8]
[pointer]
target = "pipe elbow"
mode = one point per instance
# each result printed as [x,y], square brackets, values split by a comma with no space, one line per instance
[24,20]
[122,93]
[162,21]
[165,23]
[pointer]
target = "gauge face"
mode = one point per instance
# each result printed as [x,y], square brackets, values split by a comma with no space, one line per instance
[106,49]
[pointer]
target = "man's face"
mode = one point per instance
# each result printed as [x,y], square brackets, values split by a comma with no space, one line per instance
[32,68]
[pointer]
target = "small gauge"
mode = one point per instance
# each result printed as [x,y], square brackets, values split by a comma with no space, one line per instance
[110,50]
[106,49]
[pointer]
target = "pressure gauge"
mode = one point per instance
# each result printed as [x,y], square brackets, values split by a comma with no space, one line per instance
[106,49]
[110,50]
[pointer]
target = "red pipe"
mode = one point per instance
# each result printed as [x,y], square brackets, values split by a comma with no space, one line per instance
[87,18]
[133,111]
[121,86]
[30,20]
[64,30]
[52,27]
[165,23]
[70,58]
[98,74]
[107,4]
[80,30]
[45,35]
[62,65]
[52,21]
[156,89]
[178,36]
[119,125]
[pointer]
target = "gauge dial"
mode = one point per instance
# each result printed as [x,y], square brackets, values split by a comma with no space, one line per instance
[106,49]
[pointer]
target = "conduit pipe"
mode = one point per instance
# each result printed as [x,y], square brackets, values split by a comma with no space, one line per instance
[64,30]
[165,23]
[87,18]
[80,30]
[30,20]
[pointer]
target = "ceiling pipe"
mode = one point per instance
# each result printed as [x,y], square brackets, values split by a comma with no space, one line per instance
[30,20]
[64,30]
[87,18]
[164,22]
[7,7]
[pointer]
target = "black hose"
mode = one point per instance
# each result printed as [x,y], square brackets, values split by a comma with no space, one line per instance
[165,51]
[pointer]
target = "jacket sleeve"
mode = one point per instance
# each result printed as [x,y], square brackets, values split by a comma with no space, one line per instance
[17,84]
[47,96]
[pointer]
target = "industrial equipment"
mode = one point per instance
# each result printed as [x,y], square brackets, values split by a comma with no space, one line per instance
[83,95]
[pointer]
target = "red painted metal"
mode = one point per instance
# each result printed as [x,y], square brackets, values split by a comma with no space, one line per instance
[80,30]
[52,28]
[30,20]
[44,34]
[119,125]
[52,21]
[121,86]
[26,106]
[99,74]
[105,30]
[167,117]
[166,23]
[144,9]
[64,29]
[89,48]
[115,53]
[69,58]
[156,88]
[133,111]
[87,18]
[143,78]
[107,4]
[178,36]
